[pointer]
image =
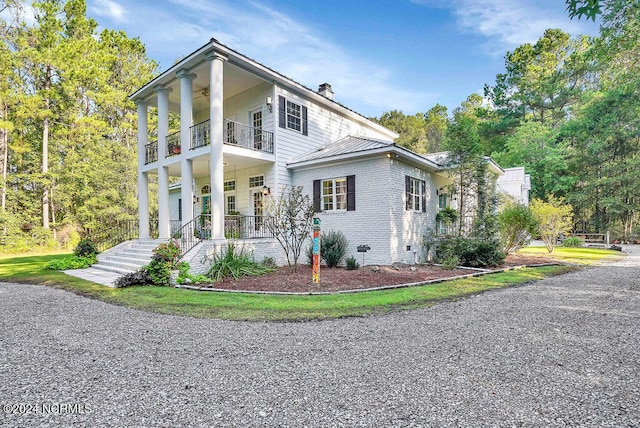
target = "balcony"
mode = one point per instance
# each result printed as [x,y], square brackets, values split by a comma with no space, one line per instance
[236,134]
[151,152]
[173,144]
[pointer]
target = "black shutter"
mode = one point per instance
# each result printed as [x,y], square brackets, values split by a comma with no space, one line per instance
[305,128]
[282,112]
[423,202]
[316,196]
[351,192]
[407,192]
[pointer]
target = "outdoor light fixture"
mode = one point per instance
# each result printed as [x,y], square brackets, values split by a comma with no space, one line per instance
[266,191]
[439,191]
[269,104]
[196,199]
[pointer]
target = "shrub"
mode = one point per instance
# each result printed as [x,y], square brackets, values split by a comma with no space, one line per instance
[352,263]
[447,216]
[184,277]
[168,252]
[516,224]
[333,246]
[234,262]
[472,252]
[573,242]
[269,262]
[140,277]
[72,262]
[85,247]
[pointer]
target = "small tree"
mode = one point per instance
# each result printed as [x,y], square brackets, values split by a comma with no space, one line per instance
[554,217]
[516,223]
[291,219]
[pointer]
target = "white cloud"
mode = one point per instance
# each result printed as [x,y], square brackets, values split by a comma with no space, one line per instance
[288,46]
[507,24]
[109,9]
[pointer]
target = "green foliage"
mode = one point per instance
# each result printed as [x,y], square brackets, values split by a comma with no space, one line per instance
[469,251]
[140,277]
[422,132]
[554,217]
[333,247]
[447,216]
[71,128]
[85,248]
[517,225]
[584,8]
[73,262]
[185,277]
[573,242]
[168,252]
[234,262]
[352,263]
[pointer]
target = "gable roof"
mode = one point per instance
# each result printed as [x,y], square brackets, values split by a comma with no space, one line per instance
[243,62]
[352,147]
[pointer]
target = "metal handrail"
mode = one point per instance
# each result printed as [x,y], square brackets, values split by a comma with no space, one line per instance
[173,144]
[121,231]
[236,134]
[192,233]
[151,152]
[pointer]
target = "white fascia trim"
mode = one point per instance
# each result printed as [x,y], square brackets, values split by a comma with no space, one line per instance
[395,150]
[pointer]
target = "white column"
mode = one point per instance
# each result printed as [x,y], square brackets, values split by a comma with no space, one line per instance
[163,173]
[186,121]
[143,180]
[216,97]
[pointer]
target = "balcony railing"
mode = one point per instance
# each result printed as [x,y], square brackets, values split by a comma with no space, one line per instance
[151,152]
[248,136]
[173,144]
[236,134]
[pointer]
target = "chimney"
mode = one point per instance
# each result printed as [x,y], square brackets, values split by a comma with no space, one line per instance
[326,91]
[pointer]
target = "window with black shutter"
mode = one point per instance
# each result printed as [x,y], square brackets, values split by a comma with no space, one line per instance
[292,115]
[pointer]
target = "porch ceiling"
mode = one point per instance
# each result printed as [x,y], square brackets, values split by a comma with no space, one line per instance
[236,80]
[233,162]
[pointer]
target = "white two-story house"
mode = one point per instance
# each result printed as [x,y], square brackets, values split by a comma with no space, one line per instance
[246,132]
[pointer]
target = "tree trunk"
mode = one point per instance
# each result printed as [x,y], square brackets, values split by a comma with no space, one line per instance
[45,150]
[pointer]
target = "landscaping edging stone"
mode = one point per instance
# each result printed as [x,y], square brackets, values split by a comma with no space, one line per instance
[479,272]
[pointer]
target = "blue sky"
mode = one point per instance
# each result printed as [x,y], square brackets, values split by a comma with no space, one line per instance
[377,55]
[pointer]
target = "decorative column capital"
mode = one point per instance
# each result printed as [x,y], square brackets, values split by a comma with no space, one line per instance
[211,55]
[141,102]
[183,73]
[162,88]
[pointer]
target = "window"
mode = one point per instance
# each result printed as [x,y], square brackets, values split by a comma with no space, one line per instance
[231,204]
[335,194]
[229,185]
[415,190]
[206,189]
[442,201]
[257,181]
[292,115]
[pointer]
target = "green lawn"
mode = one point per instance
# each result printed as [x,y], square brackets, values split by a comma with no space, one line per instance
[255,307]
[584,256]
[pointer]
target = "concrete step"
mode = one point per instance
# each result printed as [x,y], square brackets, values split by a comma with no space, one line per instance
[109,265]
[121,258]
[112,269]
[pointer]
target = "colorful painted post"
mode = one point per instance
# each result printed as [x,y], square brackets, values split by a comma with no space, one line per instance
[316,251]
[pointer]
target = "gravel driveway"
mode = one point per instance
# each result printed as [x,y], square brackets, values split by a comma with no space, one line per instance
[563,351]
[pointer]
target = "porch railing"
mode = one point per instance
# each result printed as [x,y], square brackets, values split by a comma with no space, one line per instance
[246,227]
[236,134]
[121,231]
[454,228]
[248,136]
[173,144]
[151,152]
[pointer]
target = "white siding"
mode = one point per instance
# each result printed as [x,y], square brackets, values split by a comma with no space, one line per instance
[370,223]
[325,126]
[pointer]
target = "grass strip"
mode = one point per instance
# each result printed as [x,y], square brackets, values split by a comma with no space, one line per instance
[252,307]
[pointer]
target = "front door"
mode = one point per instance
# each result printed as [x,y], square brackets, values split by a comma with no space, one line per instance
[256,124]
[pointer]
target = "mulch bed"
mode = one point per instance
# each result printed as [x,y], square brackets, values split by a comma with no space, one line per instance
[285,279]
